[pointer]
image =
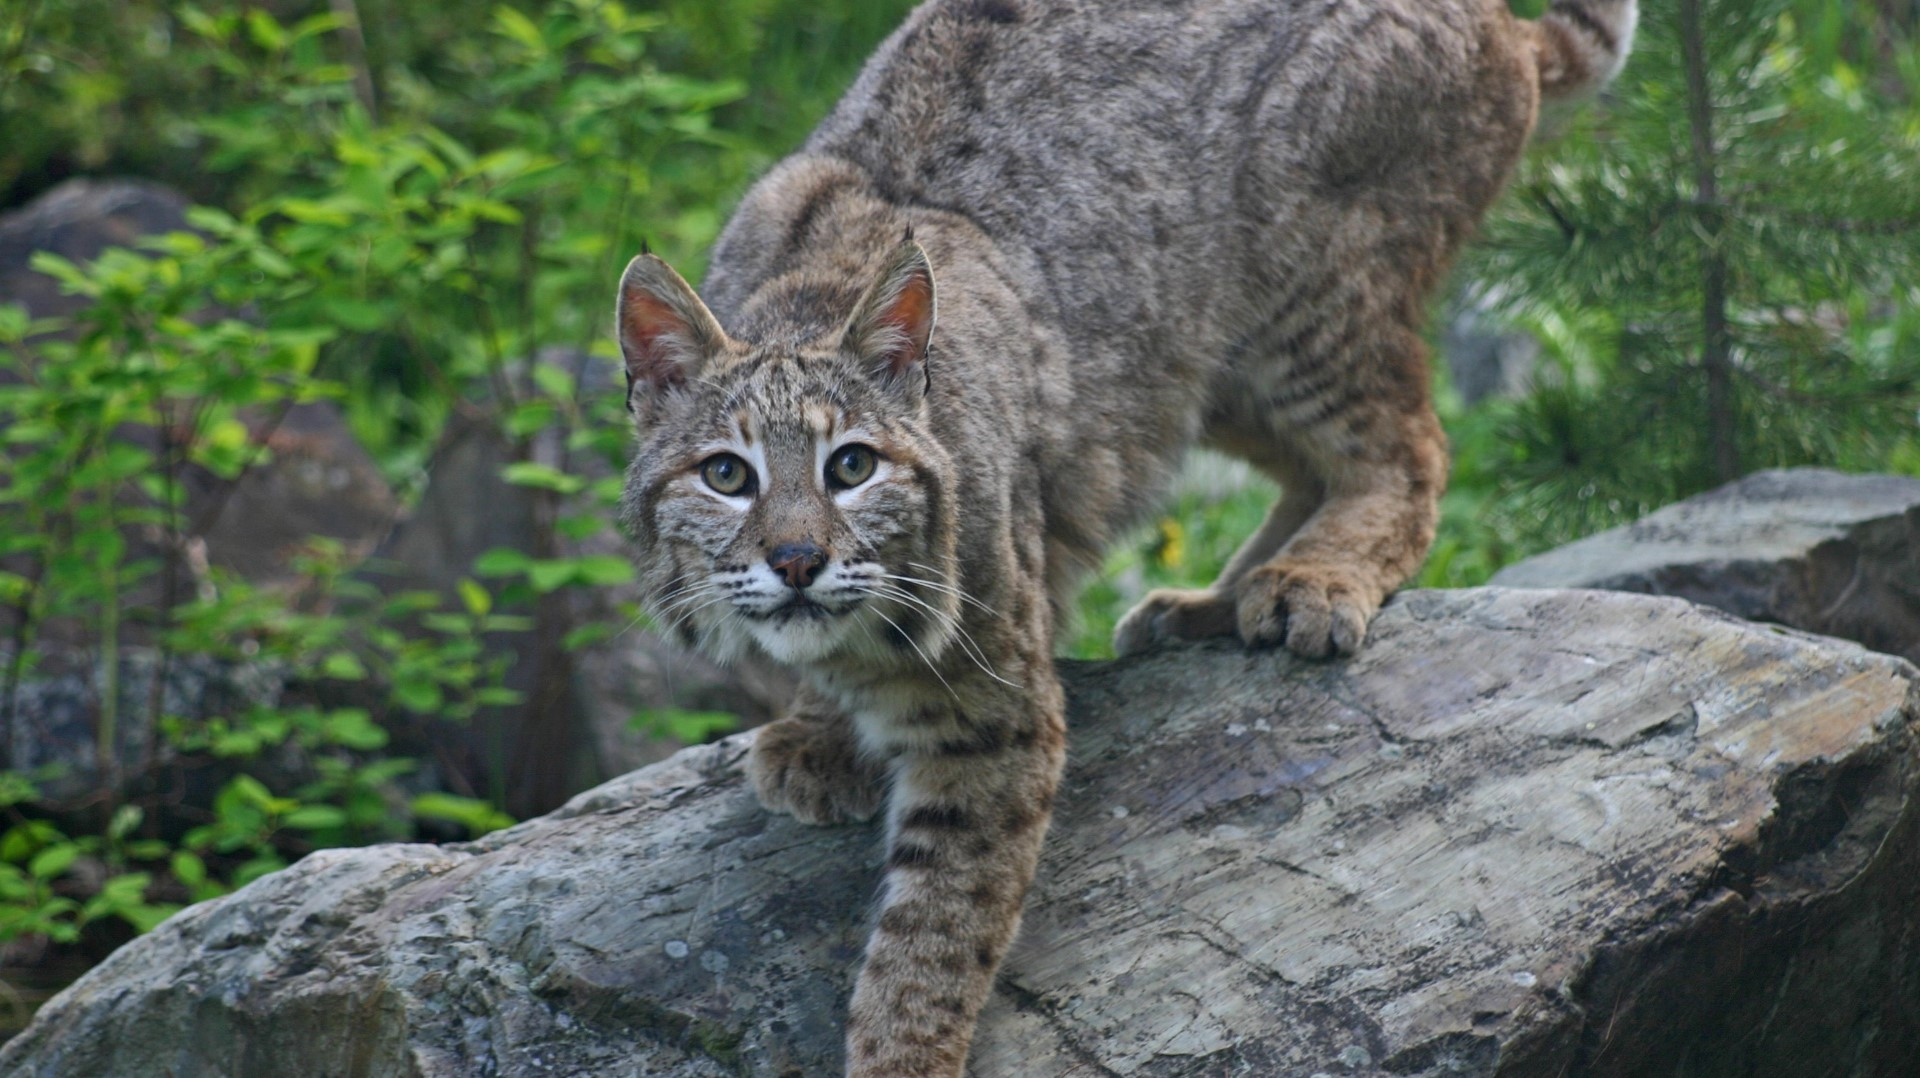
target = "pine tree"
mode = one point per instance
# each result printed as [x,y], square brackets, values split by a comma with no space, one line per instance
[1725,252]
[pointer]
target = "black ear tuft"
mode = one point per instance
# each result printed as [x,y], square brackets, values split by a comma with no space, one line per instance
[892,326]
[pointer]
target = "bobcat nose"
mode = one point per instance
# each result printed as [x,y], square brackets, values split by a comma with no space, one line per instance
[797,562]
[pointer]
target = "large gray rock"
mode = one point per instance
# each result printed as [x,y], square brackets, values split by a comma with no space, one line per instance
[77,220]
[1523,833]
[1483,358]
[1818,550]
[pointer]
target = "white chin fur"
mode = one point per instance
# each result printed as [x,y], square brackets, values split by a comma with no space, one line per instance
[801,640]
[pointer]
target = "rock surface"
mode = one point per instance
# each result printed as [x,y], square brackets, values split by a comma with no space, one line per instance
[1818,550]
[1523,833]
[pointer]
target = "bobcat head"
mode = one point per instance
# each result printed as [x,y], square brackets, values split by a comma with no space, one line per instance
[789,494]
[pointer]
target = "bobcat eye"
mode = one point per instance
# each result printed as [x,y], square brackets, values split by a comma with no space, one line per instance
[727,474]
[851,466]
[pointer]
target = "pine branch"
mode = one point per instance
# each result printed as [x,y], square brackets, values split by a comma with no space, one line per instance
[1852,226]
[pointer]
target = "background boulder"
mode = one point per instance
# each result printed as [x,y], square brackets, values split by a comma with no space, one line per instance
[1816,549]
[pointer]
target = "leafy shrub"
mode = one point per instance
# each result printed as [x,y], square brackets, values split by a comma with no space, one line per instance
[405,258]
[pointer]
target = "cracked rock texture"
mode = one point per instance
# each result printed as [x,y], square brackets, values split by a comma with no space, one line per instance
[1816,549]
[1523,833]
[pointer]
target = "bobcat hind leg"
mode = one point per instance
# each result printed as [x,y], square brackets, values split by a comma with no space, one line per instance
[1362,447]
[1199,613]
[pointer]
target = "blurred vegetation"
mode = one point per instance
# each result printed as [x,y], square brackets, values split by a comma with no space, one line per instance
[410,201]
[405,204]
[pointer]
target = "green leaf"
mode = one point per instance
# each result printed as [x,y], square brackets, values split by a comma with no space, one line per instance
[355,729]
[528,473]
[581,526]
[13,322]
[147,849]
[72,278]
[501,561]
[316,818]
[477,599]
[602,570]
[553,380]
[681,724]
[531,417]
[419,695]
[512,24]
[16,788]
[148,916]
[52,861]
[188,868]
[477,816]
[358,315]
[344,666]
[546,576]
[265,31]
[584,636]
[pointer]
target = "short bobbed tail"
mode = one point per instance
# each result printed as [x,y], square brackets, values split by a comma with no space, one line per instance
[1581,44]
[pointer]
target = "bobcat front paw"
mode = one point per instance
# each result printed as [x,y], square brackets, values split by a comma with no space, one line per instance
[1173,614]
[815,772]
[1316,610]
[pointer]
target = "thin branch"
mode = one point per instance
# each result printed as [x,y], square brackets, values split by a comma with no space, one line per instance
[1715,346]
[349,13]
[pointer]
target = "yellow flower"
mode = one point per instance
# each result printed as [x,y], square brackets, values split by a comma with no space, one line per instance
[1173,544]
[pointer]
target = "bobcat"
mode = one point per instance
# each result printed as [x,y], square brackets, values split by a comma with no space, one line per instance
[1152,223]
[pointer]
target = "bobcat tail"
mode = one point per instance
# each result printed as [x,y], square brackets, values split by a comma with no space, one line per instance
[1582,44]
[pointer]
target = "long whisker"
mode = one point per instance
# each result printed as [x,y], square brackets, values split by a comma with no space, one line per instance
[902,595]
[683,617]
[916,648]
[938,586]
[945,618]
[968,646]
[955,588]
[660,604]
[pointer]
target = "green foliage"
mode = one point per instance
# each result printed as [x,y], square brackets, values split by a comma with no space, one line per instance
[95,523]
[1722,269]
[397,216]
[406,253]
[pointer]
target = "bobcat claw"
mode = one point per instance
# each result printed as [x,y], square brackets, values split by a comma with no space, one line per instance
[1316,612]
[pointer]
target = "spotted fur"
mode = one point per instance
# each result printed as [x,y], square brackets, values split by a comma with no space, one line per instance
[1153,223]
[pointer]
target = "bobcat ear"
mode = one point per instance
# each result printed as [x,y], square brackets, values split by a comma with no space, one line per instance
[893,323]
[666,333]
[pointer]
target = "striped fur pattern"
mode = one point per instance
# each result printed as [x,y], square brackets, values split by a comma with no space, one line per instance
[1136,225]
